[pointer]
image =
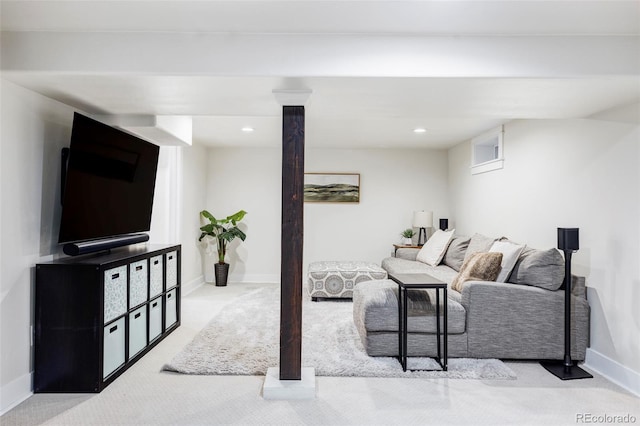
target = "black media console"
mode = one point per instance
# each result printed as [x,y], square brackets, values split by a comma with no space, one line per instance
[96,315]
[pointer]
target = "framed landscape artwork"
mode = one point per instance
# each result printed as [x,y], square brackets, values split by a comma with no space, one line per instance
[332,187]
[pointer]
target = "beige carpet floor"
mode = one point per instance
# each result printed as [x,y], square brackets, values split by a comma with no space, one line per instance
[144,395]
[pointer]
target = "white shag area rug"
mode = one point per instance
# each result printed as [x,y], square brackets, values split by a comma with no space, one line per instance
[243,339]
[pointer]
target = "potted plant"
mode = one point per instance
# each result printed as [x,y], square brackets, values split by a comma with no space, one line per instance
[407,234]
[223,231]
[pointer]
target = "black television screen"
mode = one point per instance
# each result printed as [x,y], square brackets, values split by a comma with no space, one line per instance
[110,182]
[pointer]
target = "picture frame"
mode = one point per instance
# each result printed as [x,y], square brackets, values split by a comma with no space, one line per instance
[332,187]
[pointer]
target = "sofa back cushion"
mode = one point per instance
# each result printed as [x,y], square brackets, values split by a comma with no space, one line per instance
[478,243]
[540,268]
[478,267]
[433,250]
[454,256]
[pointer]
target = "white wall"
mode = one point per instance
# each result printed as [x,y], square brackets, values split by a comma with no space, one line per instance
[394,183]
[34,129]
[248,179]
[194,194]
[179,197]
[569,173]
[167,205]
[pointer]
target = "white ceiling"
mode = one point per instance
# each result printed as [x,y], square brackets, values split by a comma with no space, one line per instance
[477,17]
[362,109]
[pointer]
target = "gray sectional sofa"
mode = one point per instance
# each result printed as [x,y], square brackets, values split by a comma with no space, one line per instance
[522,318]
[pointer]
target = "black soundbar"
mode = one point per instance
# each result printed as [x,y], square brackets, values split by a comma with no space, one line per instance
[84,247]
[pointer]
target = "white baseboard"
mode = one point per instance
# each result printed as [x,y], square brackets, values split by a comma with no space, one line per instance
[192,285]
[614,371]
[14,392]
[239,278]
[254,278]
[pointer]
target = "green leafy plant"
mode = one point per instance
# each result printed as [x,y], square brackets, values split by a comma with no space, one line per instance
[223,230]
[408,233]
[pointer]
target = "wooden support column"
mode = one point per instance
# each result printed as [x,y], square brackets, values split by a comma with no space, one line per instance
[292,239]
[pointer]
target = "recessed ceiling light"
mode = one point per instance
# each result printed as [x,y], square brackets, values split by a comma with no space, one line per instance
[247,129]
[419,130]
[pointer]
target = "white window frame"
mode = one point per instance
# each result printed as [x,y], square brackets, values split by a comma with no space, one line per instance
[487,151]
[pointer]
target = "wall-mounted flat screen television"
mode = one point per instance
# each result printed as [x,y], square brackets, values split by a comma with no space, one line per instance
[109,185]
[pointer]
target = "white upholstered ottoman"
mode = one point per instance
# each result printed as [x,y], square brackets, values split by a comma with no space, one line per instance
[338,278]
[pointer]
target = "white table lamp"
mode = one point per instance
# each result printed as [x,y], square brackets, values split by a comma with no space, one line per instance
[422,220]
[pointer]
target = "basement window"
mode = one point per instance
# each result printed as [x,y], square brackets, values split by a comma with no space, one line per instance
[486,151]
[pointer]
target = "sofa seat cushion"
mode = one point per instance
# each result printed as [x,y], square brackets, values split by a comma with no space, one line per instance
[375,308]
[394,265]
[442,272]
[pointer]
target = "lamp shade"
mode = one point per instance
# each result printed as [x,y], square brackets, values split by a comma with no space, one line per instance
[422,219]
[568,239]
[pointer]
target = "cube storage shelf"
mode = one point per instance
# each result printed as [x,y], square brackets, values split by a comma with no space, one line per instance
[96,315]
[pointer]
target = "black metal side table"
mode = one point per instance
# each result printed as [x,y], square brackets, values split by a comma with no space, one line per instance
[420,281]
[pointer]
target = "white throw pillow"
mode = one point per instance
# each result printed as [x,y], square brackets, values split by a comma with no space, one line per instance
[510,253]
[433,250]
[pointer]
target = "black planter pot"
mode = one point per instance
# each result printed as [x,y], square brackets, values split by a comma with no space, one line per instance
[221,271]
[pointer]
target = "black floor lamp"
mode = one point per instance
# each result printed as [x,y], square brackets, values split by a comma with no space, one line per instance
[566,369]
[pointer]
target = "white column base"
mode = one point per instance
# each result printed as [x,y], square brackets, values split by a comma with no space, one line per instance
[274,388]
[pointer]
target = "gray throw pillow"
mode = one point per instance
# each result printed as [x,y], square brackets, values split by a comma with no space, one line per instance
[454,257]
[478,243]
[540,268]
